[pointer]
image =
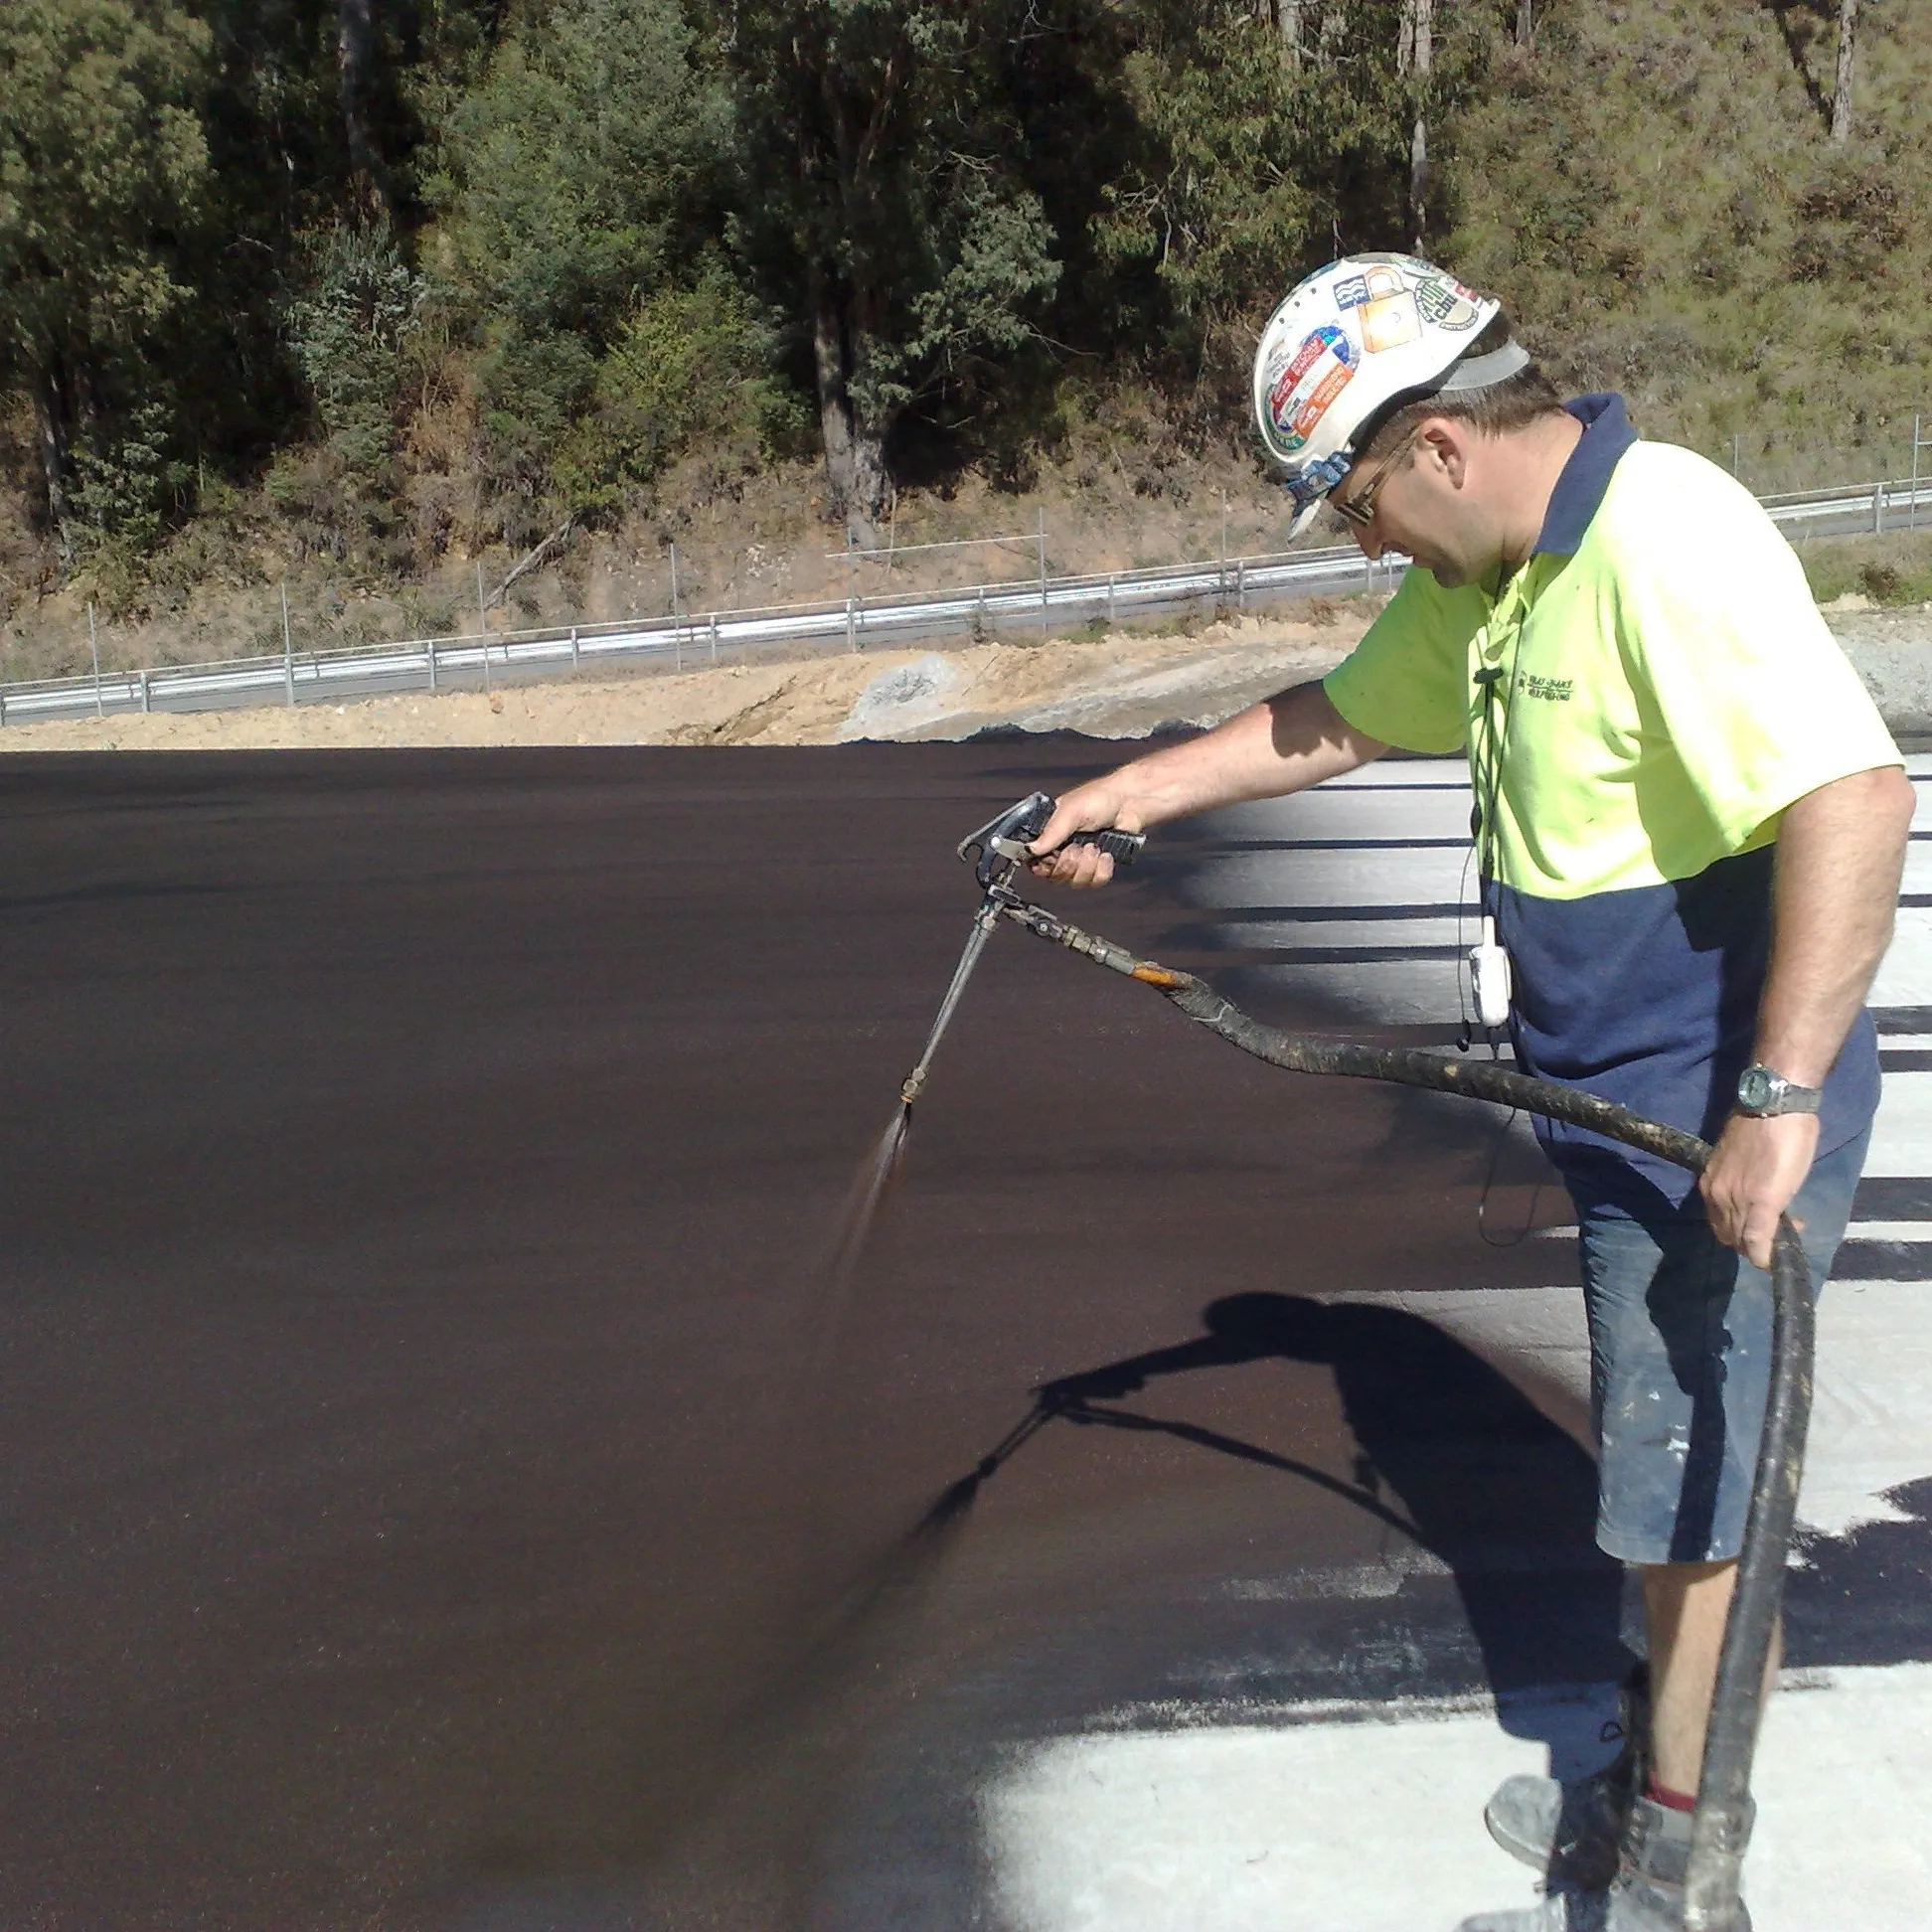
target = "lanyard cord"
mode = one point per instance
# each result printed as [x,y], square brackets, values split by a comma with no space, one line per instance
[1489,775]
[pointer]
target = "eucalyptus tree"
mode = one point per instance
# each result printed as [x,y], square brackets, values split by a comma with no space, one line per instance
[103,176]
[887,202]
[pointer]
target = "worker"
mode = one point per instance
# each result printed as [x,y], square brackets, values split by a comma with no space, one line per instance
[1690,824]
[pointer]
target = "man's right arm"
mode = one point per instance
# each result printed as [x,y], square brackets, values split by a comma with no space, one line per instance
[1281,745]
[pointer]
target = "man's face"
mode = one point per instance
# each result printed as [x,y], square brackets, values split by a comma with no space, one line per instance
[1416,498]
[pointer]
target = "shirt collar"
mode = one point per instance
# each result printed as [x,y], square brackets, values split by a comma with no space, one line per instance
[1586,476]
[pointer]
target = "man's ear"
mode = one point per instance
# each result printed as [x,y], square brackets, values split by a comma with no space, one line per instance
[1443,442]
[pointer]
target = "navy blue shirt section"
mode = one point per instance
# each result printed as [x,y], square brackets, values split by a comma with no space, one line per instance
[1579,490]
[1649,997]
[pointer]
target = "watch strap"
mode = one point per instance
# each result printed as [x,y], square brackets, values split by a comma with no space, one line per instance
[1764,1093]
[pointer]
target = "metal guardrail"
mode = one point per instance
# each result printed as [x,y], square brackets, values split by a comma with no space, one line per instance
[856,623]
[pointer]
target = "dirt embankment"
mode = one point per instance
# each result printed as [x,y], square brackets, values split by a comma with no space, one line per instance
[1120,685]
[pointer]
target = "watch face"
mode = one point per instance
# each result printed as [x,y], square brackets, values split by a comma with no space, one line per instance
[1755,1086]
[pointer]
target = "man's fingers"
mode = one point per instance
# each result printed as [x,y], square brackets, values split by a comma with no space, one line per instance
[1079,864]
[1075,864]
[1074,813]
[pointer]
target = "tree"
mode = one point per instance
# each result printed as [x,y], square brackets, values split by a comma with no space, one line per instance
[1286,18]
[1841,96]
[1248,169]
[573,185]
[890,192]
[1414,56]
[355,70]
[104,170]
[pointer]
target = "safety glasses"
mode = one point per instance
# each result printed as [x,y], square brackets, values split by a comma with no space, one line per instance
[1359,509]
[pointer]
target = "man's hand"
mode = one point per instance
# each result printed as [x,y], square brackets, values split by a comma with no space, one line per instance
[1266,751]
[1096,807]
[1752,1177]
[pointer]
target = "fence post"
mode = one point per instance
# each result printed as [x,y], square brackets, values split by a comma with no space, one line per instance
[852,622]
[1221,579]
[1043,573]
[576,660]
[1911,516]
[482,609]
[432,668]
[714,630]
[1878,507]
[93,645]
[1110,600]
[147,703]
[289,648]
[1241,587]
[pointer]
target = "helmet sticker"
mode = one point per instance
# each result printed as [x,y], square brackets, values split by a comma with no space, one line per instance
[1390,321]
[1351,293]
[1318,372]
[1446,303]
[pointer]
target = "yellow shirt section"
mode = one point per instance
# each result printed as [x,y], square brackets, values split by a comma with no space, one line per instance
[1662,695]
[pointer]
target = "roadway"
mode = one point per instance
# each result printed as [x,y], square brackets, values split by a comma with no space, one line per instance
[443,1488]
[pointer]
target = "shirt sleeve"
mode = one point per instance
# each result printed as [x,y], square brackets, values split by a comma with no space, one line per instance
[1736,669]
[1406,683]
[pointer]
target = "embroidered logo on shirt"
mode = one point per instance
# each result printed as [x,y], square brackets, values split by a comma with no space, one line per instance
[1556,689]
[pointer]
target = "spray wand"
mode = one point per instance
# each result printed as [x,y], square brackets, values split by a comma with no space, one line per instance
[996,852]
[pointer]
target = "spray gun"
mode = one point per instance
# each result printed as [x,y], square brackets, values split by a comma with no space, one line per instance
[996,852]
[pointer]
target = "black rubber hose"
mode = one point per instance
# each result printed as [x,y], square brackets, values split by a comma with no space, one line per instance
[1718,1830]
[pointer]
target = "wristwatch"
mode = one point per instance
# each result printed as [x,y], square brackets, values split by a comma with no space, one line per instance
[1762,1093]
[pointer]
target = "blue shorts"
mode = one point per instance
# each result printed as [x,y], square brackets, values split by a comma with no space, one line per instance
[1679,1364]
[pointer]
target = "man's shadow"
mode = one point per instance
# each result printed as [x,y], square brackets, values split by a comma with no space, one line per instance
[1448,1454]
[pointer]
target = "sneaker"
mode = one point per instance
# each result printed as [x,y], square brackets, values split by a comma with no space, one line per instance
[1646,1895]
[1571,1832]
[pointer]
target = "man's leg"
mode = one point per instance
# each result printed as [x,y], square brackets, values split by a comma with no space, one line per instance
[1685,1610]
[1680,1335]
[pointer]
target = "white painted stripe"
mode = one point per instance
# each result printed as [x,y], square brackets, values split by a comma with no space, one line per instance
[1890,1230]
[1339,1818]
[1416,771]
[1871,1230]
[1391,935]
[1901,1136]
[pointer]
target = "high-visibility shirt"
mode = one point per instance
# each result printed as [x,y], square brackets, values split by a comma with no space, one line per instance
[1639,702]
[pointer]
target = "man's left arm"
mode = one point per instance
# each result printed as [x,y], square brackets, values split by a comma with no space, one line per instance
[1834,884]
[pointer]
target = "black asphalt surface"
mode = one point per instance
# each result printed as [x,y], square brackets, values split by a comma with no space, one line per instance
[442,1485]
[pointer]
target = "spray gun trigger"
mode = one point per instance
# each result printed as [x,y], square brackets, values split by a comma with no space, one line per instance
[1001,843]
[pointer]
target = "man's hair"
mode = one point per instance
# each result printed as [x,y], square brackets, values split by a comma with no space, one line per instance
[1512,404]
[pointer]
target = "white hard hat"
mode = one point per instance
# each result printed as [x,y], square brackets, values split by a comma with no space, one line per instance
[1353,340]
